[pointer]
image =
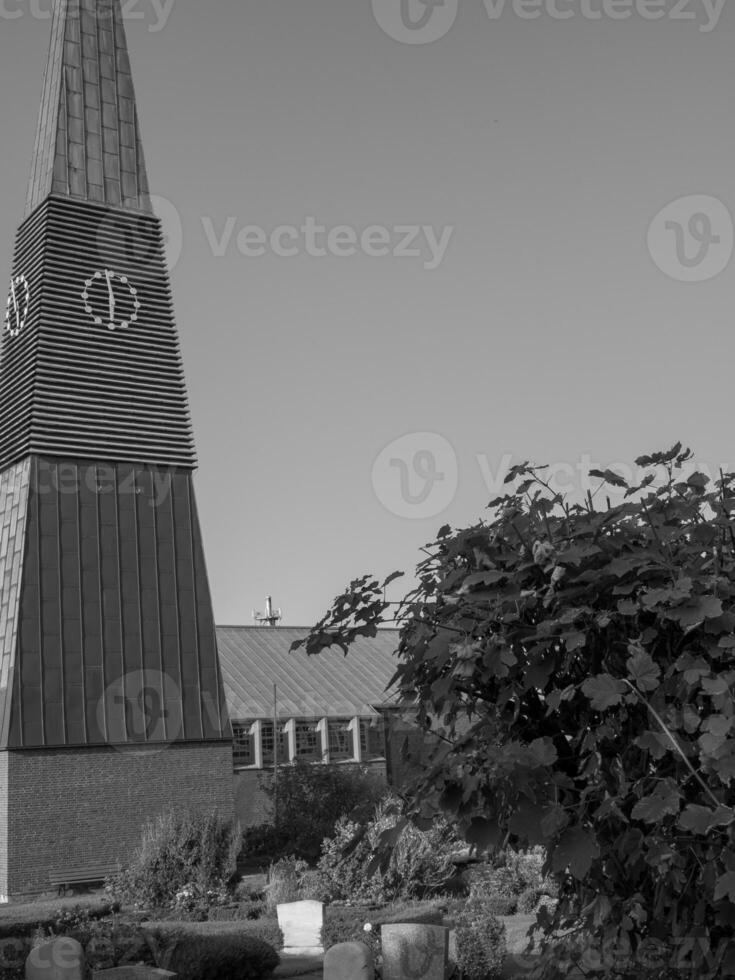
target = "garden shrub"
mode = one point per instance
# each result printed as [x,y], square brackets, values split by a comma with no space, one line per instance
[481,945]
[500,904]
[196,951]
[265,928]
[528,900]
[510,874]
[420,862]
[13,954]
[575,659]
[244,911]
[285,881]
[325,793]
[113,942]
[107,942]
[24,919]
[185,860]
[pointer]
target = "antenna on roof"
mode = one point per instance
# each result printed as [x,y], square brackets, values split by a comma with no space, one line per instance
[270,617]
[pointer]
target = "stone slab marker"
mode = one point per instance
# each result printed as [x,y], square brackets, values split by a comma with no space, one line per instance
[301,924]
[349,961]
[414,952]
[58,959]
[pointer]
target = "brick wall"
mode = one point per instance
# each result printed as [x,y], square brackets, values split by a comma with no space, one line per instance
[252,803]
[3,826]
[86,806]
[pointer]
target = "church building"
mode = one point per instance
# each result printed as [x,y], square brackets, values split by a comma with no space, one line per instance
[112,706]
[119,697]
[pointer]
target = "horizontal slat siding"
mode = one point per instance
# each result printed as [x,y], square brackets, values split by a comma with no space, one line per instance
[69,387]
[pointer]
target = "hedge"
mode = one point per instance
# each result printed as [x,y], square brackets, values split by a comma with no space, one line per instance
[23,919]
[210,950]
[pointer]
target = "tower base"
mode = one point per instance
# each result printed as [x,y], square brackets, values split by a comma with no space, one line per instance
[80,807]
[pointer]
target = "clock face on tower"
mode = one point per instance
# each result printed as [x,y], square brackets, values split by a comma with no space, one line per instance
[111,299]
[16,309]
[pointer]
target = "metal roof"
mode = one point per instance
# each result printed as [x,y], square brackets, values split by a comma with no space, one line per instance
[107,636]
[254,658]
[88,141]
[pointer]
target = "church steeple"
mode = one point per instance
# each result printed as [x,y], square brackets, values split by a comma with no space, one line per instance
[90,362]
[88,143]
[112,708]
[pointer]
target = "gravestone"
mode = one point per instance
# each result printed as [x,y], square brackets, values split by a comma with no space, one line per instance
[349,961]
[452,946]
[414,952]
[133,971]
[301,924]
[58,959]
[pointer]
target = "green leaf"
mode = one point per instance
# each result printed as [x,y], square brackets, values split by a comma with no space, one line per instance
[718,725]
[574,640]
[715,685]
[692,613]
[690,718]
[604,691]
[643,670]
[543,751]
[654,742]
[698,481]
[576,850]
[701,819]
[725,886]
[666,799]
[609,476]
[553,820]
[489,577]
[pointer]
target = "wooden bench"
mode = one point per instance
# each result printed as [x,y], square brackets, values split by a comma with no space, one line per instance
[81,876]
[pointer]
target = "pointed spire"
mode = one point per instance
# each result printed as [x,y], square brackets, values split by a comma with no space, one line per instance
[88,144]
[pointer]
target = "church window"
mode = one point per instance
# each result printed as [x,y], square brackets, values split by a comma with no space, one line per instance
[266,741]
[372,739]
[243,746]
[308,741]
[340,739]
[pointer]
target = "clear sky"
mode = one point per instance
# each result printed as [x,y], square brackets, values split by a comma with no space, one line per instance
[526,157]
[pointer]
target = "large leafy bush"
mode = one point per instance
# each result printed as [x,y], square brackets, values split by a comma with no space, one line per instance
[420,860]
[325,793]
[184,860]
[576,660]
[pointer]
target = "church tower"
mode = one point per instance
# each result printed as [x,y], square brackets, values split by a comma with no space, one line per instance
[111,700]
